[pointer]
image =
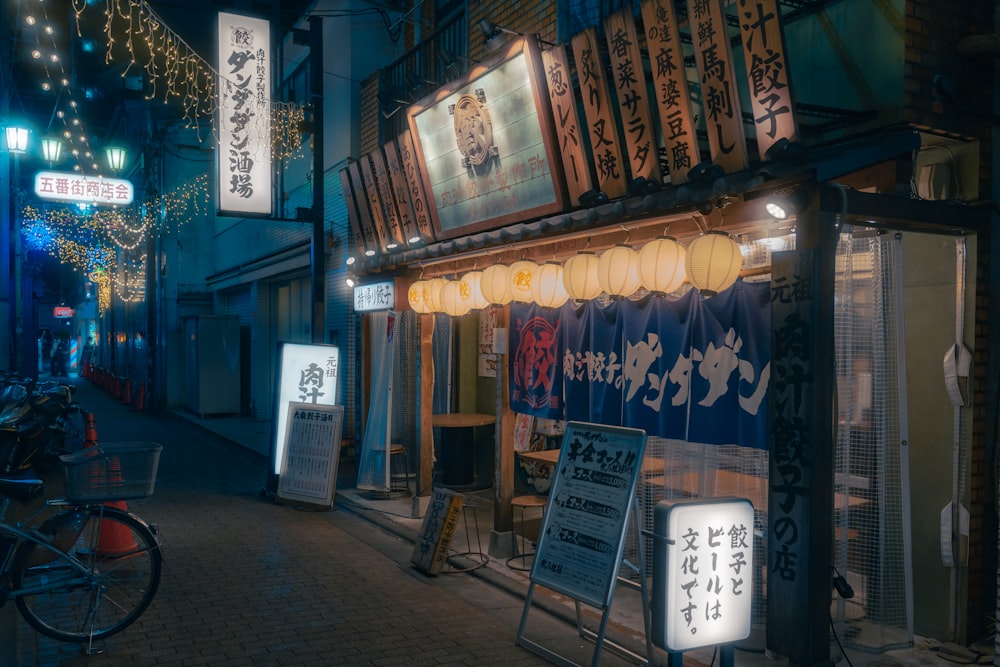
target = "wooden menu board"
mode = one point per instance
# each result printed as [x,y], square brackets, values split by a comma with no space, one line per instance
[438,528]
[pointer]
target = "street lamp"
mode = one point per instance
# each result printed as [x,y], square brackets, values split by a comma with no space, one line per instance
[116,158]
[17,139]
[51,149]
[17,143]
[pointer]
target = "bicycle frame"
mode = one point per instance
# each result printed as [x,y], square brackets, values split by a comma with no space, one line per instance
[83,570]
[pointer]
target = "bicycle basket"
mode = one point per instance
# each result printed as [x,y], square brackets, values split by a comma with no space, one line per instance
[115,471]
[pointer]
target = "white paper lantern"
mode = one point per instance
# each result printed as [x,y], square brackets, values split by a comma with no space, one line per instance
[618,270]
[713,262]
[495,284]
[455,298]
[548,290]
[474,279]
[433,295]
[521,277]
[415,295]
[580,276]
[661,265]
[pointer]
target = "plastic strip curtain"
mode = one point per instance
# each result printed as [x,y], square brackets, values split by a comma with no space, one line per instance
[373,468]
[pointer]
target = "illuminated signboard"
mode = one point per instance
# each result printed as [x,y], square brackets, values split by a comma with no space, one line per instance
[306,374]
[374,296]
[68,186]
[244,114]
[486,146]
[702,572]
[62,312]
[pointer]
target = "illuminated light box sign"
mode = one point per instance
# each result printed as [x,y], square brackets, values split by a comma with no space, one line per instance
[68,186]
[244,121]
[307,373]
[702,572]
[62,312]
[486,146]
[374,296]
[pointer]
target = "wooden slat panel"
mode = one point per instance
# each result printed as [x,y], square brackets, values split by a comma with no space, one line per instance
[576,162]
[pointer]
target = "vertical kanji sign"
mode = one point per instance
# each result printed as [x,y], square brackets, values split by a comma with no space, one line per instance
[673,99]
[767,71]
[576,162]
[307,373]
[244,114]
[719,92]
[702,572]
[629,80]
[601,125]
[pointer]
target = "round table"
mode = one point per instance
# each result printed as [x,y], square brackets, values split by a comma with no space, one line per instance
[459,451]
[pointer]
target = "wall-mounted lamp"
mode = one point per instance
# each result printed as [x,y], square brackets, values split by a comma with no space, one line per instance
[783,205]
[493,35]
[351,282]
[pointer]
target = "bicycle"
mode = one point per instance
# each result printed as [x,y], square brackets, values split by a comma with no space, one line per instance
[91,569]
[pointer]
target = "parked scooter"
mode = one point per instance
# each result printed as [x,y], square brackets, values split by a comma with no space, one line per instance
[37,424]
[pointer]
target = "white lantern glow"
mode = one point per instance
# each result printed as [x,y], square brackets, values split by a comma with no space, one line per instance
[713,262]
[495,284]
[522,276]
[474,281]
[455,298]
[580,276]
[433,295]
[618,270]
[548,290]
[661,265]
[415,295]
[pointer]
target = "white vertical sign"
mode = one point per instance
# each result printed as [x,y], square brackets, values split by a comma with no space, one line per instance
[703,572]
[307,373]
[244,114]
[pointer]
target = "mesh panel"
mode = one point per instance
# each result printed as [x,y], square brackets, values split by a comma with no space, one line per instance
[869,547]
[405,383]
[869,513]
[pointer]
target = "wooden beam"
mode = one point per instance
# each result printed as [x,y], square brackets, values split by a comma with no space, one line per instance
[425,405]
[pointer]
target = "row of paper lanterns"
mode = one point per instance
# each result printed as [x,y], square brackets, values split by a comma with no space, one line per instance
[711,263]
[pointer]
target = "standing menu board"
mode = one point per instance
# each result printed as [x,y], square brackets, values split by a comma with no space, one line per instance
[308,471]
[580,546]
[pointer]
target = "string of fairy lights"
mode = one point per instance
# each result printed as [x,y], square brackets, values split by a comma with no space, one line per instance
[111,243]
[136,35]
[108,245]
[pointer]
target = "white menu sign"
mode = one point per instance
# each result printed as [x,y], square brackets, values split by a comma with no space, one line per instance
[702,572]
[307,373]
[580,546]
[244,114]
[309,466]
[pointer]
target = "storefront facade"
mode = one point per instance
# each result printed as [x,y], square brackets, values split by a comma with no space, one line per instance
[835,417]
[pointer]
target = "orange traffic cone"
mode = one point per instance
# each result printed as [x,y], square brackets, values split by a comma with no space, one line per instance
[140,397]
[114,538]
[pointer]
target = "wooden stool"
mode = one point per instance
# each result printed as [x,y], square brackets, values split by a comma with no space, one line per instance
[523,503]
[399,468]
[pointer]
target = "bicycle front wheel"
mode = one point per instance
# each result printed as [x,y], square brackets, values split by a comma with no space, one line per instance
[102,584]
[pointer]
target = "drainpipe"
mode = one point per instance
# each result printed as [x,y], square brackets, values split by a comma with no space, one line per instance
[319,155]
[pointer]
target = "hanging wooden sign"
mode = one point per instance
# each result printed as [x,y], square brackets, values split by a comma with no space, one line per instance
[629,80]
[719,93]
[374,203]
[767,71]
[361,200]
[418,198]
[401,193]
[394,229]
[601,125]
[666,59]
[576,162]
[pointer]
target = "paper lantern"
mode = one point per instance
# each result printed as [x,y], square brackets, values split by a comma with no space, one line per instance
[495,284]
[521,278]
[433,295]
[455,298]
[473,280]
[580,276]
[661,265]
[415,295]
[618,270]
[713,262]
[548,290]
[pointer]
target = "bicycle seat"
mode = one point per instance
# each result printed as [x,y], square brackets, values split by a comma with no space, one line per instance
[22,490]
